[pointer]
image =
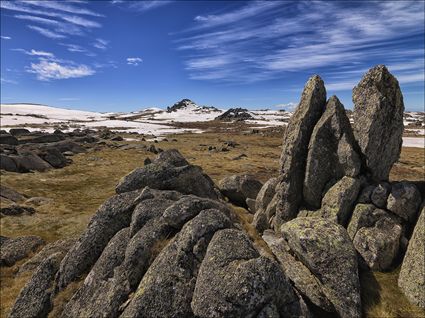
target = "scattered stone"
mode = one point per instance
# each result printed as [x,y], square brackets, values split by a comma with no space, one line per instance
[15,249]
[250,203]
[240,157]
[331,153]
[117,138]
[7,139]
[17,132]
[378,120]
[8,193]
[147,161]
[16,209]
[295,148]
[37,201]
[325,248]
[238,188]
[412,275]
[338,202]
[380,194]
[404,200]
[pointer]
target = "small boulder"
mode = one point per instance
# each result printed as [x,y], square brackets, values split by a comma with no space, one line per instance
[404,200]
[380,194]
[19,132]
[15,249]
[9,193]
[262,204]
[238,188]
[338,202]
[16,209]
[7,139]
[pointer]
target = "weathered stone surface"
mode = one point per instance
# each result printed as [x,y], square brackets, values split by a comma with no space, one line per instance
[404,200]
[112,216]
[15,209]
[9,193]
[238,188]
[7,139]
[325,248]
[162,174]
[412,274]
[34,299]
[366,194]
[295,148]
[380,194]
[250,203]
[266,194]
[304,281]
[331,153]
[19,132]
[378,120]
[60,247]
[15,249]
[30,162]
[379,245]
[7,163]
[167,287]
[235,281]
[338,202]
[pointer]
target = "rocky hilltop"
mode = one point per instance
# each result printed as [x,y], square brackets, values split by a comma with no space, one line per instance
[169,244]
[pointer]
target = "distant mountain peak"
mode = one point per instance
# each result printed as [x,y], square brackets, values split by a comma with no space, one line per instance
[184,103]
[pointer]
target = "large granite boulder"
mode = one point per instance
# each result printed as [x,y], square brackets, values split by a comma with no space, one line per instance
[34,299]
[304,281]
[412,275]
[168,173]
[325,248]
[239,188]
[167,287]
[235,281]
[380,194]
[295,149]
[332,153]
[7,139]
[338,202]
[378,120]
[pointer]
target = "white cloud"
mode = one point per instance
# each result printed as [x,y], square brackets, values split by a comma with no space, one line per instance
[288,106]
[135,61]
[274,39]
[47,70]
[3,37]
[101,44]
[46,32]
[7,81]
[60,6]
[141,6]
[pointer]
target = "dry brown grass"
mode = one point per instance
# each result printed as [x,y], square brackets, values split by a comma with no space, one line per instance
[381,297]
[79,189]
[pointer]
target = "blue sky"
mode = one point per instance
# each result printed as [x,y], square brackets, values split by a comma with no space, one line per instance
[127,55]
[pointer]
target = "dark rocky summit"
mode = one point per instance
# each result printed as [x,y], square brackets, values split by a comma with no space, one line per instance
[169,245]
[238,114]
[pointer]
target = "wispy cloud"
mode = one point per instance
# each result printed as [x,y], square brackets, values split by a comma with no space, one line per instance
[101,44]
[8,81]
[48,70]
[135,61]
[35,53]
[266,40]
[141,6]
[59,19]
[288,106]
[3,37]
